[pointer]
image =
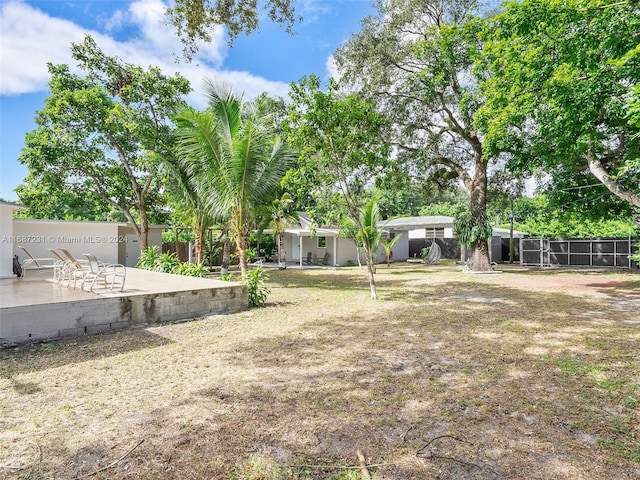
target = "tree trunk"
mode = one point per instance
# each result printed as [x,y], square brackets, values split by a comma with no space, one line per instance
[199,232]
[282,257]
[479,257]
[371,270]
[241,245]
[226,256]
[144,226]
[200,242]
[598,170]
[511,219]
[372,280]
[144,237]
[479,253]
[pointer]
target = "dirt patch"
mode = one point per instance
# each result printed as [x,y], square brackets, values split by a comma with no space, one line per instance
[522,375]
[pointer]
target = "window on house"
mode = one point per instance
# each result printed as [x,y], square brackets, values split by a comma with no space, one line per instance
[322,242]
[434,232]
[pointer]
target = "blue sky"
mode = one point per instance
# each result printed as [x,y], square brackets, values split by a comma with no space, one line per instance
[35,32]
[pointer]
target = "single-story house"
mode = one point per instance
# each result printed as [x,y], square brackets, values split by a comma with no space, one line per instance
[415,232]
[110,242]
[303,239]
[420,231]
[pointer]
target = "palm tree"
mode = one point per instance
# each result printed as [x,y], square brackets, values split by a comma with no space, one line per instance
[281,219]
[369,236]
[192,204]
[388,245]
[233,157]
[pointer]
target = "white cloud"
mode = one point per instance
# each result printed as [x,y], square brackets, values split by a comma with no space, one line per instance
[30,38]
[312,10]
[332,68]
[114,22]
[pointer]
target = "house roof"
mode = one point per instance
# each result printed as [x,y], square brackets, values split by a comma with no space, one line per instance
[81,222]
[305,228]
[412,223]
[504,233]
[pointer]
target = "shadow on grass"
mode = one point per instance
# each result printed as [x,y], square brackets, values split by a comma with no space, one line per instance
[56,353]
[446,361]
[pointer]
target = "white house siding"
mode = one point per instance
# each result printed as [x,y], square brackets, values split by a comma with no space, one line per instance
[401,247]
[7,239]
[310,244]
[38,236]
[110,242]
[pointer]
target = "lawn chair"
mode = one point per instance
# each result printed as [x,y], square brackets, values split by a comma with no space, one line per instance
[76,269]
[61,268]
[309,259]
[32,263]
[101,273]
[325,259]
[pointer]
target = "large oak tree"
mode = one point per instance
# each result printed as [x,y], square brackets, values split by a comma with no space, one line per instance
[195,20]
[413,61]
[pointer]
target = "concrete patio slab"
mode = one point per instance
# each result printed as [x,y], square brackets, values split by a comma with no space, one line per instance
[37,308]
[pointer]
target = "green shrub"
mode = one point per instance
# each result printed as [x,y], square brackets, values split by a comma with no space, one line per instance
[424,253]
[151,259]
[191,270]
[167,263]
[258,291]
[255,281]
[251,254]
[636,256]
[147,259]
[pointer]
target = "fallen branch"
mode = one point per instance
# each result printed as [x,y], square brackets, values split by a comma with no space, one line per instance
[432,455]
[340,467]
[112,464]
[403,437]
[363,466]
[421,449]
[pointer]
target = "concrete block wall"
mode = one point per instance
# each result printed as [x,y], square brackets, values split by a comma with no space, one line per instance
[53,320]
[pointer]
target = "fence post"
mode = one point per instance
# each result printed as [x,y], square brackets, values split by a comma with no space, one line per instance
[541,252]
[521,254]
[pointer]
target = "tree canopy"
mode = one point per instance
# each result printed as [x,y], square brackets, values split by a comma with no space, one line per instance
[561,84]
[233,158]
[102,134]
[343,140]
[195,20]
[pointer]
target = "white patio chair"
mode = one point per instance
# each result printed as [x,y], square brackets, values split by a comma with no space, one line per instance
[62,267]
[32,263]
[100,273]
[75,269]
